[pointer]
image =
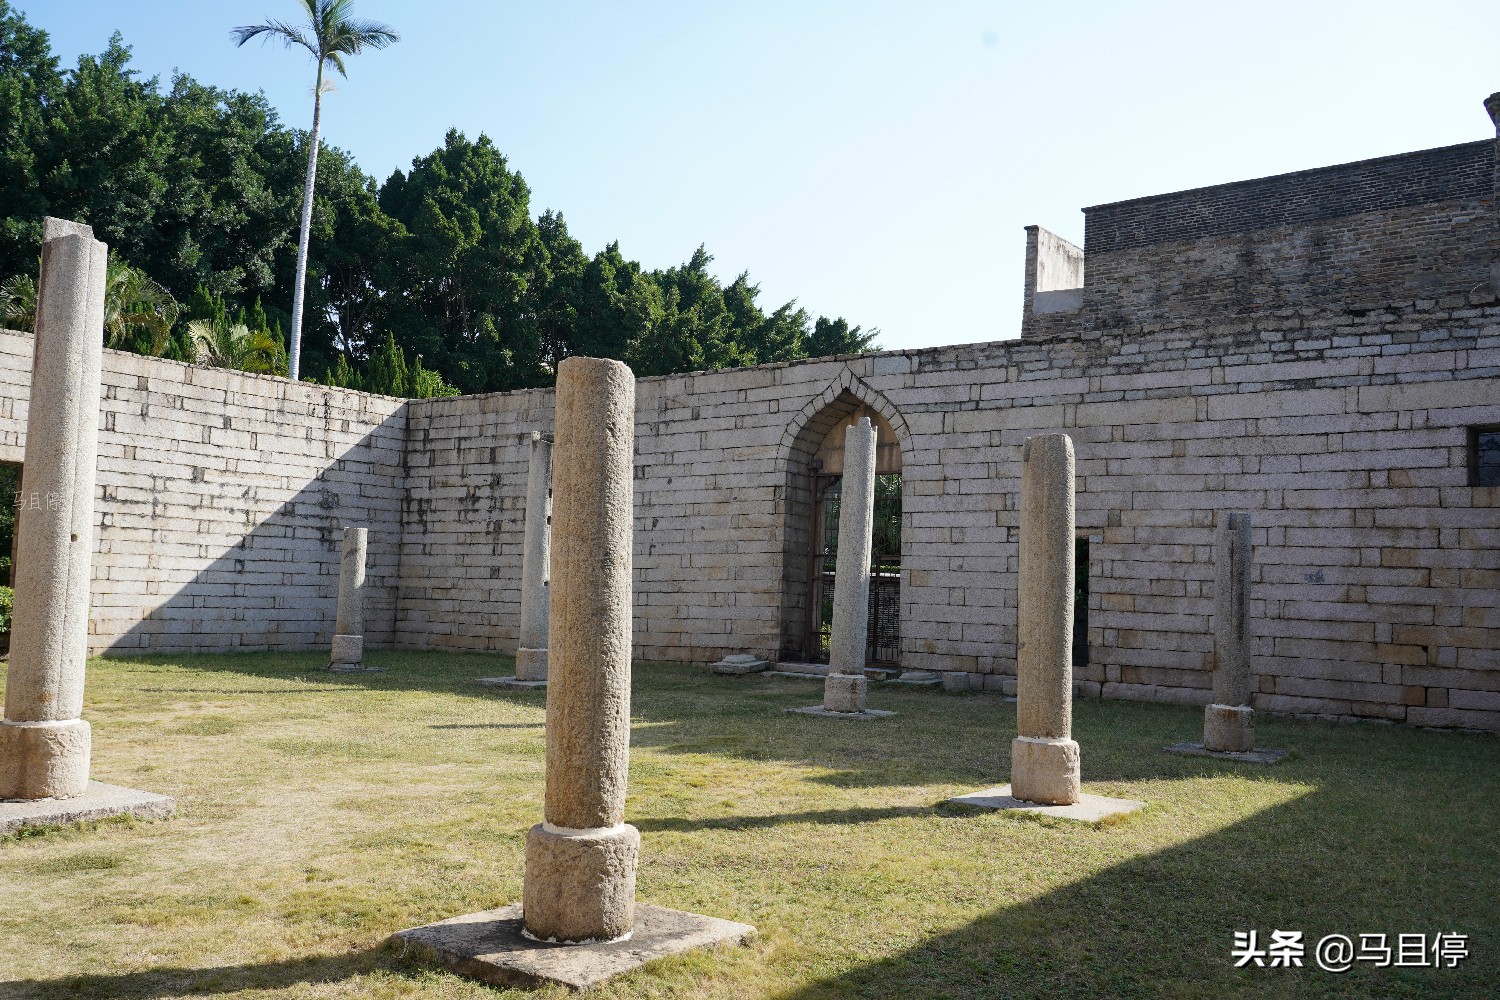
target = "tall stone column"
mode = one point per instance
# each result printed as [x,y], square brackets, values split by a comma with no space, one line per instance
[1044,757]
[581,861]
[349,628]
[531,656]
[44,745]
[1229,723]
[846,686]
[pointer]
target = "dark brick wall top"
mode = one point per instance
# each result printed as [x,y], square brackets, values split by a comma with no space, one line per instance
[1450,173]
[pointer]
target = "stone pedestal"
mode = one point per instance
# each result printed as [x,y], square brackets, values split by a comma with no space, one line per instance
[348,651]
[579,886]
[740,663]
[1044,758]
[1229,728]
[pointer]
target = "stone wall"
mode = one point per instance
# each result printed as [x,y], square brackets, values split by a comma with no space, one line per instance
[1353,237]
[221,500]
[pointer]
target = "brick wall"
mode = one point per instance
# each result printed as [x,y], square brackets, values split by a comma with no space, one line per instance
[220,503]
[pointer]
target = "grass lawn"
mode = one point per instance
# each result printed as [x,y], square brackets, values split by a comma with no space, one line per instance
[319,813]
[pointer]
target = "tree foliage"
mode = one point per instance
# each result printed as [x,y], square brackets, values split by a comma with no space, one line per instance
[445,262]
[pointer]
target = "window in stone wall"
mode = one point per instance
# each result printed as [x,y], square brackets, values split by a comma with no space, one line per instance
[1484,456]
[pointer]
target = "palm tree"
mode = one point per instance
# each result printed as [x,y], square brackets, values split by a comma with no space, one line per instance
[233,345]
[330,34]
[133,304]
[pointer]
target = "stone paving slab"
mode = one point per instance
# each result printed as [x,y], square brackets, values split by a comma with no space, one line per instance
[511,682]
[101,801]
[867,714]
[1256,756]
[1088,809]
[346,668]
[489,946]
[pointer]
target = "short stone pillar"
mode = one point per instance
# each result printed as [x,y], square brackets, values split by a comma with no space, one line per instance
[349,628]
[1229,723]
[44,744]
[581,861]
[1044,757]
[531,654]
[846,686]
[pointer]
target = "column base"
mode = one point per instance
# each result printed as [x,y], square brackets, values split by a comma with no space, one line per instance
[531,665]
[44,760]
[1229,728]
[1045,770]
[845,692]
[348,651]
[580,884]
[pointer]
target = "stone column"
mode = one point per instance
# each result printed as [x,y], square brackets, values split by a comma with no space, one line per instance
[1229,723]
[531,656]
[44,745]
[1044,757]
[846,686]
[581,861]
[349,629]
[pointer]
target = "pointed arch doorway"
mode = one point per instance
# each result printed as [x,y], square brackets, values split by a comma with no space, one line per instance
[815,480]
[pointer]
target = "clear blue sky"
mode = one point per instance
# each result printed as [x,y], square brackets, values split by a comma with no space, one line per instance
[873,160]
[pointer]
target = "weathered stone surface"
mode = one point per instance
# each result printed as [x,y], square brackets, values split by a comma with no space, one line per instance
[1261,756]
[511,682]
[55,535]
[739,663]
[44,760]
[580,884]
[1044,617]
[1044,759]
[491,946]
[351,607]
[1231,623]
[98,801]
[1229,728]
[588,694]
[536,558]
[845,692]
[851,584]
[348,650]
[818,710]
[1088,808]
[1045,770]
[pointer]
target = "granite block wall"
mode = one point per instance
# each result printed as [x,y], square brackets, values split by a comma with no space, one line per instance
[221,500]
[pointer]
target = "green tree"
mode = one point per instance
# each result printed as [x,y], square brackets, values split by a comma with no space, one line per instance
[330,34]
[835,336]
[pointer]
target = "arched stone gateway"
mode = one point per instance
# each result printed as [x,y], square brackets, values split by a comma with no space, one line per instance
[812,449]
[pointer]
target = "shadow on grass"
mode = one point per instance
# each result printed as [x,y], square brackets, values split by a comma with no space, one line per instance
[838,817]
[1338,860]
[322,970]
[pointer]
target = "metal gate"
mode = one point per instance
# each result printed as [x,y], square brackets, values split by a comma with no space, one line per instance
[883,639]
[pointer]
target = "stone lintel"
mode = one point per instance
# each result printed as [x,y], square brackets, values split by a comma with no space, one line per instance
[488,946]
[101,801]
[1256,756]
[1088,808]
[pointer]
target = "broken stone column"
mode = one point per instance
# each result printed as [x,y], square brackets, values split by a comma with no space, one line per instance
[531,656]
[1229,723]
[846,686]
[44,744]
[1044,757]
[349,628]
[581,861]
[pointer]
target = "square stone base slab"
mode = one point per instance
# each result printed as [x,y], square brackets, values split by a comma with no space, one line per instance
[512,683]
[101,801]
[869,713]
[488,946]
[1088,808]
[353,668]
[1257,756]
